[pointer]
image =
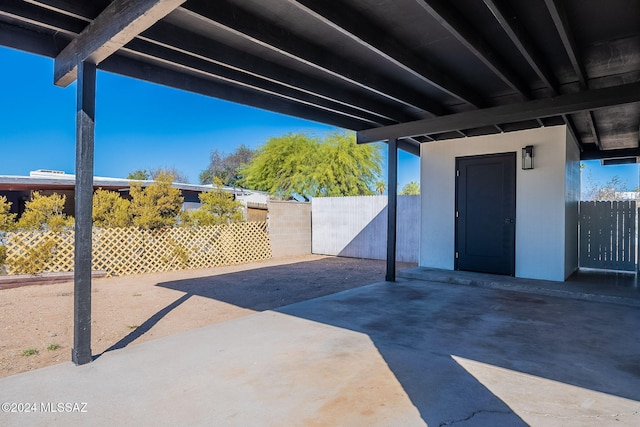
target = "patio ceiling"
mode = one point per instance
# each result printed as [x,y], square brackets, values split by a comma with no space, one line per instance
[389,68]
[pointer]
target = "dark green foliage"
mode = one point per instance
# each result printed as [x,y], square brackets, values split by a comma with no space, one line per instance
[227,167]
[139,174]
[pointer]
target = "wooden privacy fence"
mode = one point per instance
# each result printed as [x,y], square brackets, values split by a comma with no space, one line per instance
[608,235]
[123,251]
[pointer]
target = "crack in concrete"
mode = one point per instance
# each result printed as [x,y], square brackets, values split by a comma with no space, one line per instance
[473,414]
[623,414]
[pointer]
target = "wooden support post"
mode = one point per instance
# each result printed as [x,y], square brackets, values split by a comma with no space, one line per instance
[391,209]
[85,122]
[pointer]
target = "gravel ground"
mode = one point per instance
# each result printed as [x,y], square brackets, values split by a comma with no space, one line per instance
[132,309]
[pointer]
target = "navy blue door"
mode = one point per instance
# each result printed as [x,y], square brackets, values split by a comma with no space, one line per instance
[486,213]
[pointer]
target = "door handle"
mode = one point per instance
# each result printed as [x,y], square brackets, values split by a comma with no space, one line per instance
[509,220]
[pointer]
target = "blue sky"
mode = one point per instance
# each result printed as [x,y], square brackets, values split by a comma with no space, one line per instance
[139,125]
[595,174]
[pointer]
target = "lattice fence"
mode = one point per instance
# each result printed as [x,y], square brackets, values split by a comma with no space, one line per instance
[123,251]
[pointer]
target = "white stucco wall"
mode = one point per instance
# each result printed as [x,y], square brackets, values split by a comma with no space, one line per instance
[357,227]
[541,193]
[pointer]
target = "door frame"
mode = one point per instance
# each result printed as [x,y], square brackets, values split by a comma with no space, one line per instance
[513,156]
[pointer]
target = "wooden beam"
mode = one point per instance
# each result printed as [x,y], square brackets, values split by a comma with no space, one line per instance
[410,145]
[596,154]
[225,14]
[117,25]
[161,74]
[75,9]
[207,69]
[198,64]
[591,122]
[512,113]
[463,31]
[172,33]
[522,41]
[560,20]
[349,23]
[20,38]
[573,131]
[392,207]
[85,124]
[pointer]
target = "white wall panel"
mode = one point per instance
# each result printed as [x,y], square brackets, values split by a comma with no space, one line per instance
[357,227]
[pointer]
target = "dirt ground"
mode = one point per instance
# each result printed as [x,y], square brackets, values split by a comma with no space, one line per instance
[128,310]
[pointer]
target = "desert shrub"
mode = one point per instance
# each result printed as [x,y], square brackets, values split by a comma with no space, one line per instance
[36,259]
[45,213]
[111,210]
[3,256]
[218,207]
[179,255]
[7,219]
[157,205]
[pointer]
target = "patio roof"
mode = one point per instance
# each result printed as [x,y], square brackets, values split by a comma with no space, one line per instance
[362,66]
[405,71]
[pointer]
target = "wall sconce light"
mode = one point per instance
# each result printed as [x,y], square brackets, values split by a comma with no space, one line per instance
[527,157]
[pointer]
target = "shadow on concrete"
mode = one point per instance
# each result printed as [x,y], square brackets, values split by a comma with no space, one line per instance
[587,285]
[146,326]
[420,328]
[267,288]
[615,283]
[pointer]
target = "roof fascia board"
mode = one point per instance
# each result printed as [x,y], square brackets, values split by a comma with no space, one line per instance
[512,113]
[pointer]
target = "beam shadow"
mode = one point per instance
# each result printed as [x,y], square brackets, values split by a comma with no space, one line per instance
[418,328]
[267,288]
[146,326]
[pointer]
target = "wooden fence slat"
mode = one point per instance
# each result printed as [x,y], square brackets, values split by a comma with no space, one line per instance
[608,235]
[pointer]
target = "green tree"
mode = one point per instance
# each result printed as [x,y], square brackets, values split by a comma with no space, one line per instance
[7,219]
[309,167]
[345,168]
[157,205]
[164,171]
[284,166]
[111,210]
[410,189]
[380,187]
[139,174]
[218,207]
[45,213]
[227,167]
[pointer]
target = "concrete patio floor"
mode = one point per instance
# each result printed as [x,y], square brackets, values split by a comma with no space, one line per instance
[399,354]
[585,284]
